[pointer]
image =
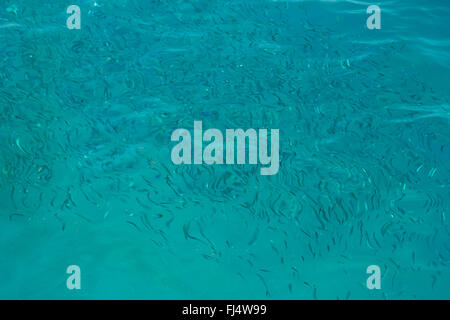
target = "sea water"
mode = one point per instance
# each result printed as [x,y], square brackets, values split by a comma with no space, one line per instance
[87,180]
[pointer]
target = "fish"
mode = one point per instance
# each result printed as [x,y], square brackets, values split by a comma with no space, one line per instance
[188,236]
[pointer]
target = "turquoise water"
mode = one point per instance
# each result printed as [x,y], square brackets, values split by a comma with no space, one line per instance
[86,172]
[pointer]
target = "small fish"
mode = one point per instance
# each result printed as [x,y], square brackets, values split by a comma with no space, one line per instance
[347,296]
[133,224]
[19,146]
[60,220]
[265,284]
[254,237]
[187,236]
